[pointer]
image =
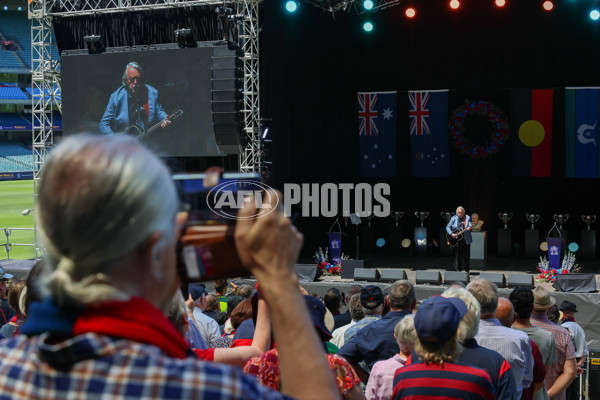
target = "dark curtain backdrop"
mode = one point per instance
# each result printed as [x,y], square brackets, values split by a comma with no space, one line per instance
[312,65]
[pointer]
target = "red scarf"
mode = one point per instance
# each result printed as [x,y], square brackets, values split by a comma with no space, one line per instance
[136,320]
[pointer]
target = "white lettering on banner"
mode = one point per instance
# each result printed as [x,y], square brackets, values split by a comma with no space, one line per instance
[335,244]
[553,251]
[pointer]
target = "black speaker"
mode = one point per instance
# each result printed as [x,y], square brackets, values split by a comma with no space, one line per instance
[594,373]
[498,278]
[433,277]
[452,277]
[515,280]
[348,267]
[366,274]
[227,84]
[392,275]
[307,272]
[576,283]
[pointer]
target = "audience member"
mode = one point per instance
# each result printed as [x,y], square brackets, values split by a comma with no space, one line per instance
[475,355]
[513,345]
[561,373]
[266,366]
[437,375]
[506,316]
[553,314]
[7,312]
[376,341]
[371,301]
[356,313]
[14,294]
[186,324]
[221,286]
[209,329]
[213,307]
[232,302]
[246,291]
[334,299]
[522,299]
[381,380]
[346,318]
[568,309]
[106,210]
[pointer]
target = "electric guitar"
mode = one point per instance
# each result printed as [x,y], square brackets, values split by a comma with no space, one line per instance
[142,135]
[460,235]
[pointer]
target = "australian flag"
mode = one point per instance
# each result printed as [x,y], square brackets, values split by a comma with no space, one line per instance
[377,133]
[428,112]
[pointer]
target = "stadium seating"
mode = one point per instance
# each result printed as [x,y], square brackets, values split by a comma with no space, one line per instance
[13,119]
[15,157]
[12,93]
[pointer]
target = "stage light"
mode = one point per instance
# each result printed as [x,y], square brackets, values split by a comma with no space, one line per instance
[368,27]
[94,44]
[291,6]
[594,15]
[500,3]
[548,5]
[454,4]
[20,8]
[573,247]
[368,4]
[410,12]
[185,38]
[265,132]
[5,8]
[380,242]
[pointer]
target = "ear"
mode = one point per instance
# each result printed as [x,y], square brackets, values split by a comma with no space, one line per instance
[150,256]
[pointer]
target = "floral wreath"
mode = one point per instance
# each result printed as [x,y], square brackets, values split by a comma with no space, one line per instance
[496,139]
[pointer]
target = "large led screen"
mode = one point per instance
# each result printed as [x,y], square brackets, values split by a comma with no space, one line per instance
[133,91]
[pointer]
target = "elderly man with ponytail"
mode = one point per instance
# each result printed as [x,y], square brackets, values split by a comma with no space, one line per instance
[106,209]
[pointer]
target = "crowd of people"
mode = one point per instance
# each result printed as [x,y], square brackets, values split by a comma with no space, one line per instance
[107,313]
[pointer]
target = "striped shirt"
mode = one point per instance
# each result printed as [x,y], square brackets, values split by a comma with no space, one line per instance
[423,381]
[564,349]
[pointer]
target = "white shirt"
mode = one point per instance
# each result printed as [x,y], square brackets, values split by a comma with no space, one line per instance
[578,336]
[338,334]
[209,328]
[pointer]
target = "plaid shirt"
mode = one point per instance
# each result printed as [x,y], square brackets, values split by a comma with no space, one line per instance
[564,349]
[92,366]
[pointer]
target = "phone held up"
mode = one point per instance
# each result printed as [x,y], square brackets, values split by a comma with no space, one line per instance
[212,200]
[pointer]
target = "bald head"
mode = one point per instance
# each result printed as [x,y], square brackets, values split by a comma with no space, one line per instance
[505,312]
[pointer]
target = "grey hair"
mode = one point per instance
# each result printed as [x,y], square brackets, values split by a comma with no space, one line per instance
[135,65]
[402,295]
[469,324]
[405,333]
[461,208]
[486,293]
[99,199]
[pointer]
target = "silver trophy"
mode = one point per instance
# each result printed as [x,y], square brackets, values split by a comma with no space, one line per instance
[561,219]
[422,216]
[505,217]
[532,219]
[588,220]
[447,216]
[397,215]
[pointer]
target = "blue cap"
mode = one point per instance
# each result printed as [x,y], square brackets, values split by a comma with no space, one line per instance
[438,318]
[317,311]
[196,290]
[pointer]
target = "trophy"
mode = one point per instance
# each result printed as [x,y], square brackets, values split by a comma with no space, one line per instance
[397,215]
[561,219]
[422,216]
[505,217]
[588,220]
[532,219]
[447,216]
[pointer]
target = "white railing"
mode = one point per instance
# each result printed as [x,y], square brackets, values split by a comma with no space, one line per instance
[8,245]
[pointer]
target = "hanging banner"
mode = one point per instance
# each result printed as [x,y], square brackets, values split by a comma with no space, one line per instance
[554,252]
[335,247]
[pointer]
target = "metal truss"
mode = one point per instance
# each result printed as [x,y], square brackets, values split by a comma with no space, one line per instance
[248,32]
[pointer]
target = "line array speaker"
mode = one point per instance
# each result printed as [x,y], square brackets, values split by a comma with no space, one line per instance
[498,278]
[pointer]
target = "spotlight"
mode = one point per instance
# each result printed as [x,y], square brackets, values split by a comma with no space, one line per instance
[548,5]
[94,44]
[594,15]
[291,6]
[500,3]
[410,12]
[185,38]
[265,132]
[20,8]
[368,4]
[368,26]
[454,4]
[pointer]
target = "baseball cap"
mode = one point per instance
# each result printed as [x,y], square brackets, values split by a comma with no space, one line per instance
[317,311]
[438,318]
[196,290]
[371,296]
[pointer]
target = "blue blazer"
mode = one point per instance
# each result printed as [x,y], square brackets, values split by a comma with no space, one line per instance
[116,115]
[453,225]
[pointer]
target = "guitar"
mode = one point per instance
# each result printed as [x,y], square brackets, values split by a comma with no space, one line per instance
[460,235]
[142,135]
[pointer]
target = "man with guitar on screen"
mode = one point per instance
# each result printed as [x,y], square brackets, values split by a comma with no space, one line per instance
[133,108]
[459,236]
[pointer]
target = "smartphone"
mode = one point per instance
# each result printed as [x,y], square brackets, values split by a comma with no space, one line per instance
[206,247]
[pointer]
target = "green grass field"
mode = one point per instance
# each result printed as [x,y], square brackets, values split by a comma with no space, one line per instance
[16,196]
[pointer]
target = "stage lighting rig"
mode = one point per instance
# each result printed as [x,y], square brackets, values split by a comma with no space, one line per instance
[185,38]
[94,44]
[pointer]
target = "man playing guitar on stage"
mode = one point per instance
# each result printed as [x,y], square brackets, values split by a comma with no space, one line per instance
[459,236]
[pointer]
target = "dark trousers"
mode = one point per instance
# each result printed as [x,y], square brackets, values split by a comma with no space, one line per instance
[463,256]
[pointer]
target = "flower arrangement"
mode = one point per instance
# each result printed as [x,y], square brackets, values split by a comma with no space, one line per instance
[322,260]
[498,136]
[548,274]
